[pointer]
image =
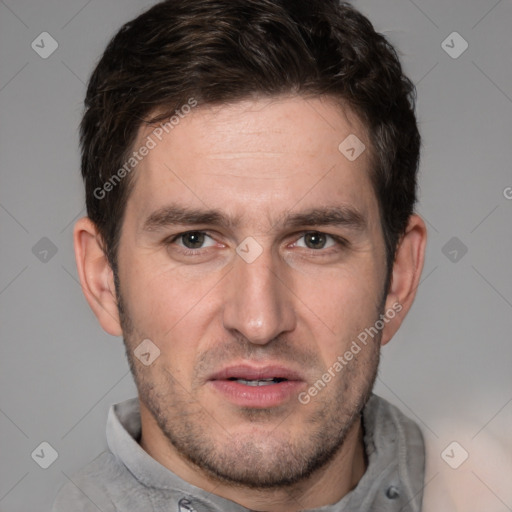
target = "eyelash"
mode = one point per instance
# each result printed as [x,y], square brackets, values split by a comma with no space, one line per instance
[185,250]
[342,242]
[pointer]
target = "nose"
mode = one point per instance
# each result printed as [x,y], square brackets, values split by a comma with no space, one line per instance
[258,303]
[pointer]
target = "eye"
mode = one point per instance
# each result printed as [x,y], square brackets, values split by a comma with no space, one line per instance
[194,240]
[315,240]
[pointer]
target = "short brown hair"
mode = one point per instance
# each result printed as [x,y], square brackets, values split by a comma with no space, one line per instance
[223,51]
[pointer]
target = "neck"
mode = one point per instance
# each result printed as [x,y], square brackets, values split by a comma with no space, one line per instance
[325,487]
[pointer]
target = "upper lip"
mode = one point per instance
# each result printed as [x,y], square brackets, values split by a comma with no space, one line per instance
[248,372]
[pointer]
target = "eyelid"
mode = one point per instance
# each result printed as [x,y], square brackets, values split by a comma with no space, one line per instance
[297,236]
[174,238]
[327,236]
[338,239]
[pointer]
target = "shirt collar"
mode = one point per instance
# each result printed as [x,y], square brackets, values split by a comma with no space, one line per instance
[386,445]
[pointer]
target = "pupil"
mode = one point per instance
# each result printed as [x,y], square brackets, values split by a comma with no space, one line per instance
[193,240]
[315,240]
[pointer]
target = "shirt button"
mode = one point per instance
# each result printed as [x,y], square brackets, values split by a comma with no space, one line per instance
[393,493]
[185,506]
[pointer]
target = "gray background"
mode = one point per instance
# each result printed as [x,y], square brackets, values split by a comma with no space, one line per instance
[449,367]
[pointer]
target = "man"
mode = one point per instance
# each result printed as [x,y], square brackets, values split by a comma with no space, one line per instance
[250,171]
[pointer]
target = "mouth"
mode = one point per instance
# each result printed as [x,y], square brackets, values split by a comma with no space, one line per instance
[257,387]
[261,382]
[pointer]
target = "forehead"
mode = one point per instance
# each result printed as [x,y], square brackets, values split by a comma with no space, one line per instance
[259,157]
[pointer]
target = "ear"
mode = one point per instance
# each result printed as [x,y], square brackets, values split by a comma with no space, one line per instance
[96,276]
[406,273]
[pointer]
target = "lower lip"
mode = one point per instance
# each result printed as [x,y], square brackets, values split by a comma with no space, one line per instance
[260,397]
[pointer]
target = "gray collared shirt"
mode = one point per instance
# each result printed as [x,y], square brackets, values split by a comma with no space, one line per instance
[125,478]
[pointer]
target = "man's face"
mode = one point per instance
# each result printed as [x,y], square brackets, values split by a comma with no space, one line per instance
[252,250]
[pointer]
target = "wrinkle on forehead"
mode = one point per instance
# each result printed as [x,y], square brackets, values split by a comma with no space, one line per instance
[258,155]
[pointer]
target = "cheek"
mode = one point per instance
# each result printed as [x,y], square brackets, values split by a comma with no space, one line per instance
[339,304]
[167,304]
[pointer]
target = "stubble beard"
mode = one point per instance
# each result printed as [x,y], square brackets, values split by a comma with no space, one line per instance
[270,460]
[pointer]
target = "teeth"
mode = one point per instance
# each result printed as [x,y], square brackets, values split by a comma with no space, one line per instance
[261,382]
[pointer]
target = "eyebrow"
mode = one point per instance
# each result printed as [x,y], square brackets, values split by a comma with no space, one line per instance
[178,215]
[343,216]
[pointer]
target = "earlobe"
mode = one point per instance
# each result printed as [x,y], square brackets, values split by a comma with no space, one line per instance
[407,268]
[96,276]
